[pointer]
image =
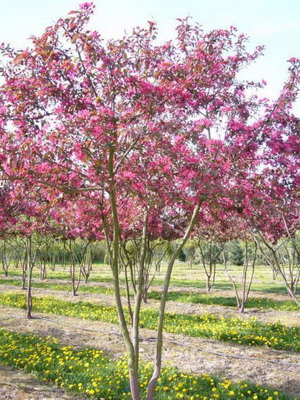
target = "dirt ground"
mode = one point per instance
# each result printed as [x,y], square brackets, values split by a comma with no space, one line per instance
[278,369]
[16,385]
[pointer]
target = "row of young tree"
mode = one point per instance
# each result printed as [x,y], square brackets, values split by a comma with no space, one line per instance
[132,141]
[78,256]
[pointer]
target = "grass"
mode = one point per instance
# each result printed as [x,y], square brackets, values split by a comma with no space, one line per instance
[182,275]
[91,373]
[60,286]
[254,302]
[186,297]
[250,332]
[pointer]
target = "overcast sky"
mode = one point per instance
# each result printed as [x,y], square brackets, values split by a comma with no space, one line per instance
[273,23]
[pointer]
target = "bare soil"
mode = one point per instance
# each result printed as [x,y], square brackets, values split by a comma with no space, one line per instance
[16,385]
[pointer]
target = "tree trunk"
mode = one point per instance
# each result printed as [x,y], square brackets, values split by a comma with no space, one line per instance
[208,285]
[29,280]
[159,339]
[278,267]
[114,260]
[24,270]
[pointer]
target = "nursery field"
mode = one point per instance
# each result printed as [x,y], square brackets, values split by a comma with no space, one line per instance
[73,347]
[149,212]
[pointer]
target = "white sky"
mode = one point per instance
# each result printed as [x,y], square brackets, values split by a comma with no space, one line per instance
[273,23]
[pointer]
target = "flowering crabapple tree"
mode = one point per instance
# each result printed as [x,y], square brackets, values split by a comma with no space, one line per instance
[271,196]
[9,211]
[26,214]
[132,120]
[275,223]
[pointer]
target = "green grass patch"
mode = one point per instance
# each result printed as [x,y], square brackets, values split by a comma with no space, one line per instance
[250,332]
[84,288]
[181,277]
[186,297]
[211,299]
[91,373]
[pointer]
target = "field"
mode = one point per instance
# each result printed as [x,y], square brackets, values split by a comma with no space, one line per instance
[73,347]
